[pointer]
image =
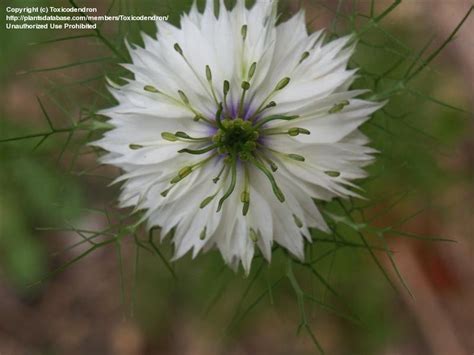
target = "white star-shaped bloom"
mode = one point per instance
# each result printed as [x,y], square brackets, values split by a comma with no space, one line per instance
[232,126]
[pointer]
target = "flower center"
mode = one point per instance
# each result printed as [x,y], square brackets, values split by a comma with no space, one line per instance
[236,137]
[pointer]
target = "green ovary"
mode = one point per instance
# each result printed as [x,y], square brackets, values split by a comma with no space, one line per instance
[236,137]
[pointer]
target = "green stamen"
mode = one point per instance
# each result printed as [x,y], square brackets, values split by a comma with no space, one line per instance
[169,136]
[296,157]
[332,173]
[202,235]
[178,49]
[206,201]
[282,83]
[182,174]
[208,73]
[243,32]
[339,107]
[216,179]
[276,190]
[150,88]
[252,69]
[298,222]
[183,97]
[253,235]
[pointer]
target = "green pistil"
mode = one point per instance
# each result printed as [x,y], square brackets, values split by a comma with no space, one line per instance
[303,57]
[185,171]
[233,180]
[273,118]
[236,136]
[243,32]
[276,190]
[150,88]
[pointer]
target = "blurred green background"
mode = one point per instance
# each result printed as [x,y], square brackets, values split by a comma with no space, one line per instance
[74,281]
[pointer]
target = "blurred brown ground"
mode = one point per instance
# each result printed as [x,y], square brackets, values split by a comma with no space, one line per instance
[79,311]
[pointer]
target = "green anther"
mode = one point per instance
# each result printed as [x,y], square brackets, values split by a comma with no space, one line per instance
[278,193]
[252,69]
[245,85]
[338,107]
[332,173]
[304,56]
[206,201]
[182,174]
[226,87]
[208,73]
[294,131]
[181,134]
[245,208]
[150,88]
[296,157]
[202,235]
[245,197]
[169,136]
[243,32]
[270,104]
[298,222]
[183,97]
[178,49]
[273,166]
[135,146]
[165,192]
[253,235]
[282,83]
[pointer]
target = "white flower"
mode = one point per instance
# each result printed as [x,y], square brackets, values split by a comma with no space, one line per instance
[231,127]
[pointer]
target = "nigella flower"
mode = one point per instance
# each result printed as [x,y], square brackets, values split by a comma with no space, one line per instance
[232,126]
